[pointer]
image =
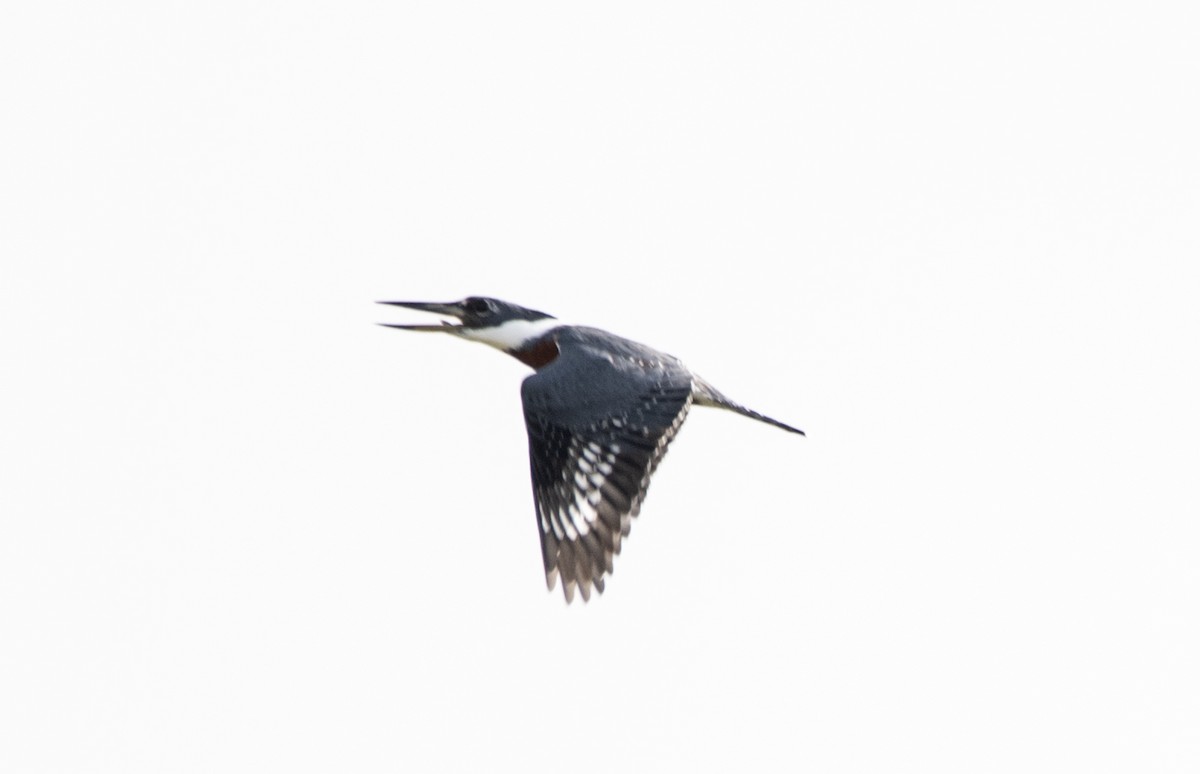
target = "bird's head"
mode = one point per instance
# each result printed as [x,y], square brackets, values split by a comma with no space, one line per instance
[489,320]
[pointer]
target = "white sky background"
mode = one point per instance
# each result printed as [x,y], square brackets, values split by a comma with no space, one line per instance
[244,529]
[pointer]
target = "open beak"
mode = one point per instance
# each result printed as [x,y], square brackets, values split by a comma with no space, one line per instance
[450,310]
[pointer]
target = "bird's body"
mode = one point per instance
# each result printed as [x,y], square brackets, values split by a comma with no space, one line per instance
[600,411]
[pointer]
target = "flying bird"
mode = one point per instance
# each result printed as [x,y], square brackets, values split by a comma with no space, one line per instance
[600,411]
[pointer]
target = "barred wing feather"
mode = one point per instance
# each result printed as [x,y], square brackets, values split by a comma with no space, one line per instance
[592,452]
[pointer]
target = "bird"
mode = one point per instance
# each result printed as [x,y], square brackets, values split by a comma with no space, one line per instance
[600,411]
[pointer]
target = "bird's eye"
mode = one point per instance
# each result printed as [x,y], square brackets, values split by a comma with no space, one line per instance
[478,306]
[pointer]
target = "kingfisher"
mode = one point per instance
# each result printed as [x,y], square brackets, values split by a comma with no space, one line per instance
[600,411]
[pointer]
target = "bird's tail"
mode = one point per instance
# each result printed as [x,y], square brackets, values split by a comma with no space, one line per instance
[707,395]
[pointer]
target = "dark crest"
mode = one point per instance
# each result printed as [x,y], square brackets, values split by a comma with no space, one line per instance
[483,312]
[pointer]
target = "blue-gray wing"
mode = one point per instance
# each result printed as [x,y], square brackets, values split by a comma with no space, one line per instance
[599,420]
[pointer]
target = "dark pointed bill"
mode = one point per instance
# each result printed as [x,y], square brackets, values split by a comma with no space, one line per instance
[450,310]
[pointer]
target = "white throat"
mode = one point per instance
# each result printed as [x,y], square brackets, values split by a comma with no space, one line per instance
[512,334]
